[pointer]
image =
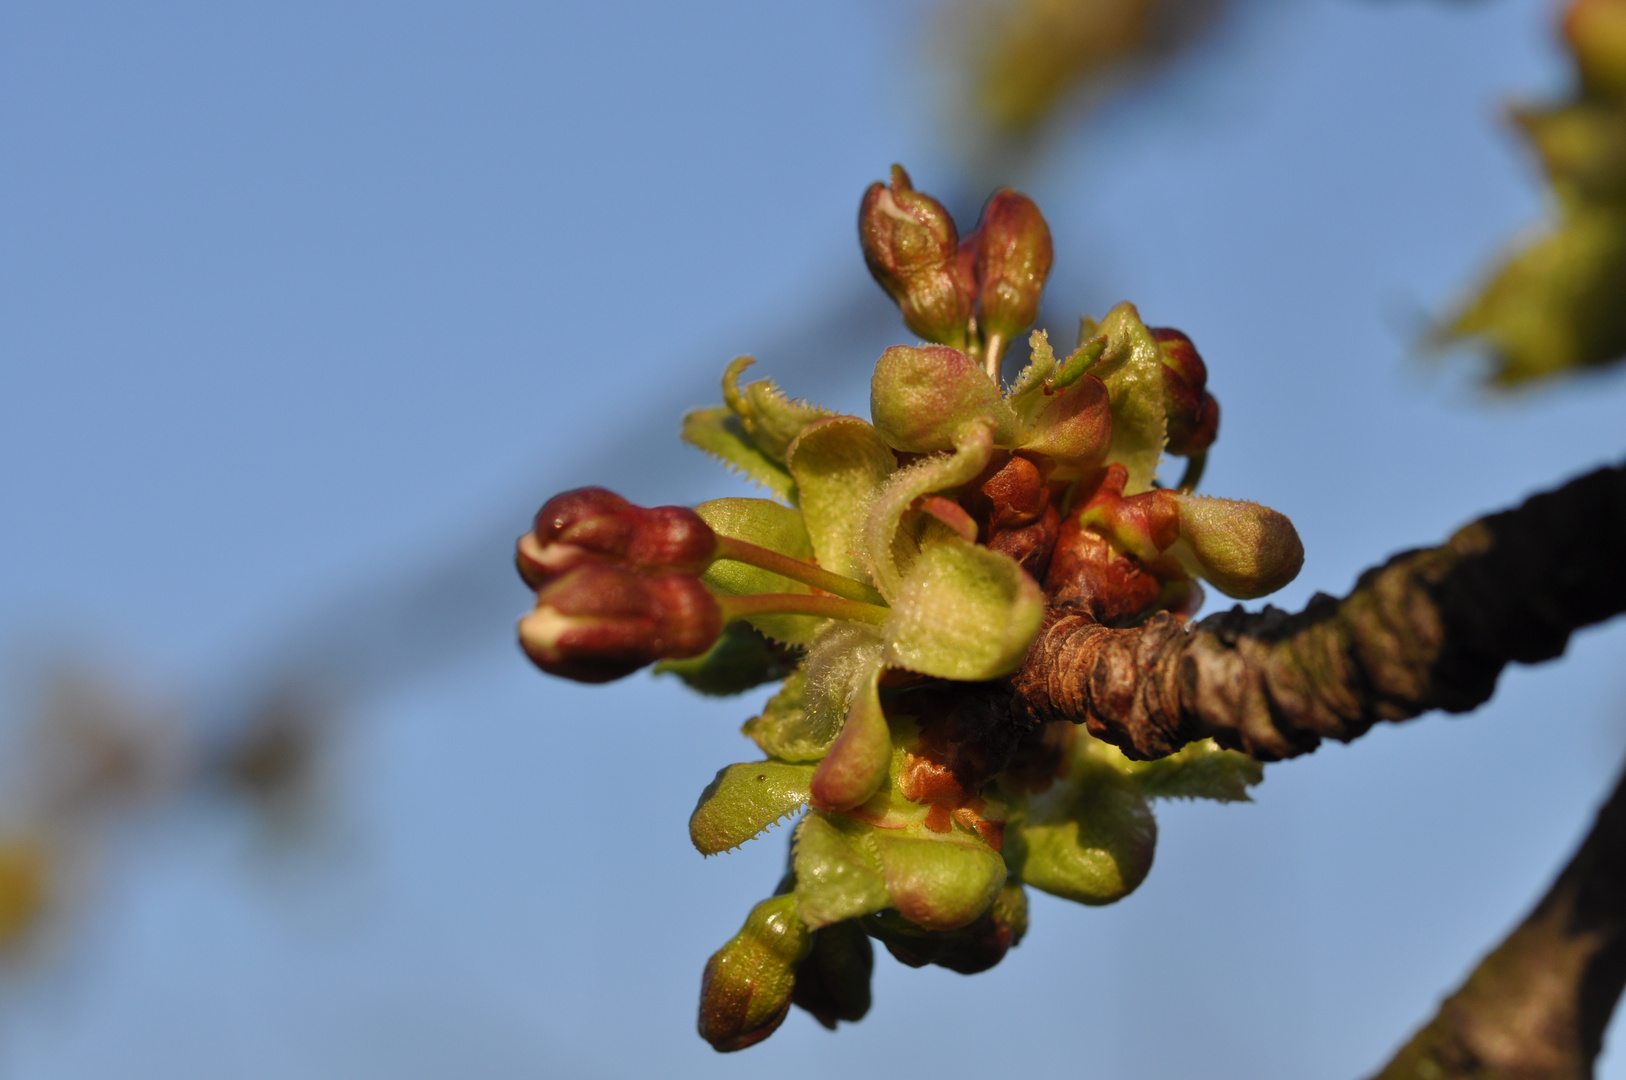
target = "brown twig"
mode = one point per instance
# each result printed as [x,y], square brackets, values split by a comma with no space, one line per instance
[1536,1008]
[1430,629]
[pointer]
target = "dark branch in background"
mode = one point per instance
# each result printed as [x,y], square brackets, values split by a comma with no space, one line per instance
[1536,1008]
[1430,629]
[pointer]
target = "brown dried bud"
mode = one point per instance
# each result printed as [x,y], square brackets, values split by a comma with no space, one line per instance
[600,621]
[594,525]
[1191,411]
[911,247]
[1012,257]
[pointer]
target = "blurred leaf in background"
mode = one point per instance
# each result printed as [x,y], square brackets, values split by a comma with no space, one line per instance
[1558,303]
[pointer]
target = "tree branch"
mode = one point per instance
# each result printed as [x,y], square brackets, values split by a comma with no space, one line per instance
[1536,1008]
[1430,629]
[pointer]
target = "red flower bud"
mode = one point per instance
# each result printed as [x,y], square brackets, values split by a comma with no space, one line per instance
[594,525]
[912,249]
[599,621]
[1191,411]
[1013,253]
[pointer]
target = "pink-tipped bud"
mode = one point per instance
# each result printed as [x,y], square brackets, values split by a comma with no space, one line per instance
[911,247]
[600,621]
[746,990]
[1191,412]
[1012,253]
[594,525]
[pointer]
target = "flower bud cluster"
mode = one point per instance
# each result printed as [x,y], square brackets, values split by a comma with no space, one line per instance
[971,294]
[901,576]
[617,585]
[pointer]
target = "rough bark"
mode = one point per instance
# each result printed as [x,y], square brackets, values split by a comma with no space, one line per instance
[1536,1008]
[1429,629]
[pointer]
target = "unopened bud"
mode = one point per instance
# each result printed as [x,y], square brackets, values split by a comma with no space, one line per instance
[600,621]
[912,249]
[746,990]
[594,525]
[1244,549]
[920,398]
[1013,254]
[833,982]
[971,949]
[938,884]
[1190,410]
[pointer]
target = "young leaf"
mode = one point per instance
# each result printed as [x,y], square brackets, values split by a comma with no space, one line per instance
[719,433]
[856,765]
[973,446]
[837,875]
[785,729]
[839,465]
[769,525]
[962,612]
[1132,369]
[1089,840]
[741,659]
[1201,770]
[744,800]
[770,418]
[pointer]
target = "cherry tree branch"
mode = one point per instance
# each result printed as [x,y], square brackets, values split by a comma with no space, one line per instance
[1429,629]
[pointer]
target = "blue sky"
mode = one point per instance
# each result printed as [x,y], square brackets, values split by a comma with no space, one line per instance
[306,307]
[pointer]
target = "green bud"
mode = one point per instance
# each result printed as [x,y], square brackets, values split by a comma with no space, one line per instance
[1245,550]
[912,249]
[920,398]
[1013,254]
[833,982]
[746,990]
[973,948]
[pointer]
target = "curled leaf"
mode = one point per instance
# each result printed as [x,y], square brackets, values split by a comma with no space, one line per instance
[744,800]
[973,446]
[856,765]
[770,418]
[1131,366]
[719,433]
[1089,840]
[839,464]
[962,611]
[785,729]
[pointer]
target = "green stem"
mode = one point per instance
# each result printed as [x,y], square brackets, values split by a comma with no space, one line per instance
[797,570]
[828,607]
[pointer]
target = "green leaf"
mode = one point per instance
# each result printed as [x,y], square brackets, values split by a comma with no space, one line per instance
[719,433]
[1027,395]
[1132,369]
[766,415]
[770,525]
[963,611]
[938,883]
[741,659]
[843,658]
[744,800]
[1201,770]
[837,874]
[839,465]
[785,729]
[973,446]
[1555,305]
[1088,840]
